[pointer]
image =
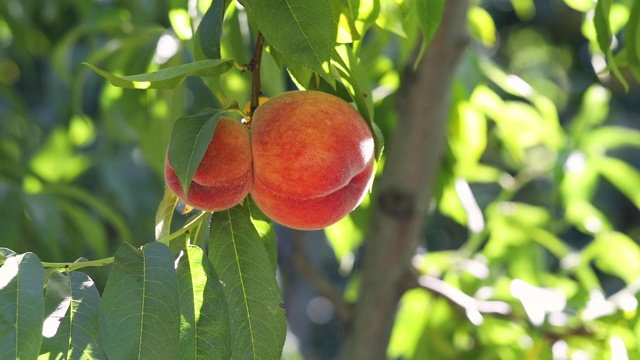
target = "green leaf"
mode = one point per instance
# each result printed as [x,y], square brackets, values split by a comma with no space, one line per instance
[139,312]
[429,14]
[632,35]
[238,254]
[594,110]
[210,30]
[392,17]
[302,31]
[204,330]
[70,329]
[616,254]
[352,70]
[164,214]
[21,306]
[264,226]
[603,35]
[5,253]
[189,141]
[622,175]
[608,138]
[343,17]
[481,26]
[169,78]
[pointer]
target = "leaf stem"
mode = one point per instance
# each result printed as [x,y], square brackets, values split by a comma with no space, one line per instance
[254,65]
[78,265]
[106,261]
[166,240]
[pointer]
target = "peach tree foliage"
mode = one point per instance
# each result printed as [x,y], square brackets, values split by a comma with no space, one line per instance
[207,288]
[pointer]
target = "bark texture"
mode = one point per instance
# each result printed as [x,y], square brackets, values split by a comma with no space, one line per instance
[405,188]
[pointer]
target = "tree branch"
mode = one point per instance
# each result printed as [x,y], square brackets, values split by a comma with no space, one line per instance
[255,73]
[404,190]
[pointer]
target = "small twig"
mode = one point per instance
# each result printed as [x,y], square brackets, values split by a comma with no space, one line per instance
[254,65]
[318,280]
[473,307]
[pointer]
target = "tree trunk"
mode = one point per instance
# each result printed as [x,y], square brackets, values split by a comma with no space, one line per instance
[404,190]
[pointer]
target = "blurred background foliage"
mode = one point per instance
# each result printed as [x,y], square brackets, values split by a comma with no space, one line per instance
[531,251]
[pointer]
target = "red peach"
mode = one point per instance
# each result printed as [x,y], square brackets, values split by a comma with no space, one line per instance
[313,157]
[225,174]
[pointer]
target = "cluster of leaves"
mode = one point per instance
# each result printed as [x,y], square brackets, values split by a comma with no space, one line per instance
[153,292]
[156,303]
[545,269]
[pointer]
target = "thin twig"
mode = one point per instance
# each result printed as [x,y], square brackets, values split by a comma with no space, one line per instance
[254,65]
[473,307]
[317,279]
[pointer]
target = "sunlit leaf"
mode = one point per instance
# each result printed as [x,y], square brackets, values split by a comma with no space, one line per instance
[481,26]
[70,328]
[167,78]
[411,320]
[181,23]
[164,214]
[580,5]
[258,325]
[139,311]
[21,306]
[586,217]
[594,109]
[265,229]
[302,31]
[608,138]
[525,9]
[343,17]
[616,254]
[351,70]
[189,141]
[204,328]
[392,17]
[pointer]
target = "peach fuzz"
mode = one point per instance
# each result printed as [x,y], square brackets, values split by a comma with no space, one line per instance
[225,174]
[313,158]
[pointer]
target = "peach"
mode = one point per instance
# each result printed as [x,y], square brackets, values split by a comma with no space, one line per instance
[225,174]
[313,157]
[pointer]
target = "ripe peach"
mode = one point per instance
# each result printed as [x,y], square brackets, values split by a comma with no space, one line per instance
[225,174]
[313,159]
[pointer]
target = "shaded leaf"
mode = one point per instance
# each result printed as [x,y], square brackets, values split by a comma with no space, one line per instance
[238,254]
[70,329]
[604,37]
[189,141]
[622,175]
[204,328]
[21,306]
[139,311]
[632,35]
[210,30]
[167,78]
